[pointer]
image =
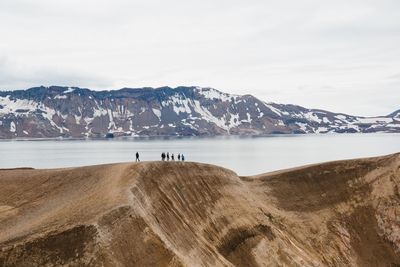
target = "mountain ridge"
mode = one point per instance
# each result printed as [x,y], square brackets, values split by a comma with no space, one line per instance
[59,111]
[155,213]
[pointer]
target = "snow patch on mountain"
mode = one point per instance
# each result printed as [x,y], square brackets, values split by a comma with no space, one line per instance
[157,112]
[179,104]
[280,123]
[312,117]
[207,115]
[111,124]
[234,120]
[375,120]
[17,105]
[212,94]
[60,97]
[12,127]
[248,118]
[322,130]
[69,90]
[98,112]
[341,118]
[326,120]
[273,109]
[303,126]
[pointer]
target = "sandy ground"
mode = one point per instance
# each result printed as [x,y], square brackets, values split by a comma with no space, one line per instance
[340,213]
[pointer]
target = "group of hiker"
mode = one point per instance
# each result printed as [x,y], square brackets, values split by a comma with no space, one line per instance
[165,156]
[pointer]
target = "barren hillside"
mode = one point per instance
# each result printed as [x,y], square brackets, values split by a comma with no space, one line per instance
[188,214]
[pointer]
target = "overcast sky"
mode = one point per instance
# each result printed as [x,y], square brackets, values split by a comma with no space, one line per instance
[339,55]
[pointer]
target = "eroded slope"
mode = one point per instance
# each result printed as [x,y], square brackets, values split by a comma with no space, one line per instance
[189,214]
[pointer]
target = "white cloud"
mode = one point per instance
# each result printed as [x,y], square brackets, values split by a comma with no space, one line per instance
[24,75]
[335,55]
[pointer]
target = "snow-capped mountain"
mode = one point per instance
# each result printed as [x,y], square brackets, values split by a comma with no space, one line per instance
[75,112]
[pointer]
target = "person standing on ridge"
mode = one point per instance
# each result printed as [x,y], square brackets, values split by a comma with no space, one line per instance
[179,156]
[163,156]
[168,156]
[183,157]
[137,157]
[172,157]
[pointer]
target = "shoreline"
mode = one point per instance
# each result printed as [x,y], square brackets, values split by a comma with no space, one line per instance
[173,137]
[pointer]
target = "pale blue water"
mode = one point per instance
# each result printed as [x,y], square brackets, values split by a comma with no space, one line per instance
[245,155]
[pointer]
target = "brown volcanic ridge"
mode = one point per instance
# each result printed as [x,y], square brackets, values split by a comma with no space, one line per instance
[341,213]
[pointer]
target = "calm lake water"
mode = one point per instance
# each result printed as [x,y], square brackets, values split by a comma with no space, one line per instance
[245,155]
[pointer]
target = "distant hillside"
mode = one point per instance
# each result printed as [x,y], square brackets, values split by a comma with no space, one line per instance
[185,111]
